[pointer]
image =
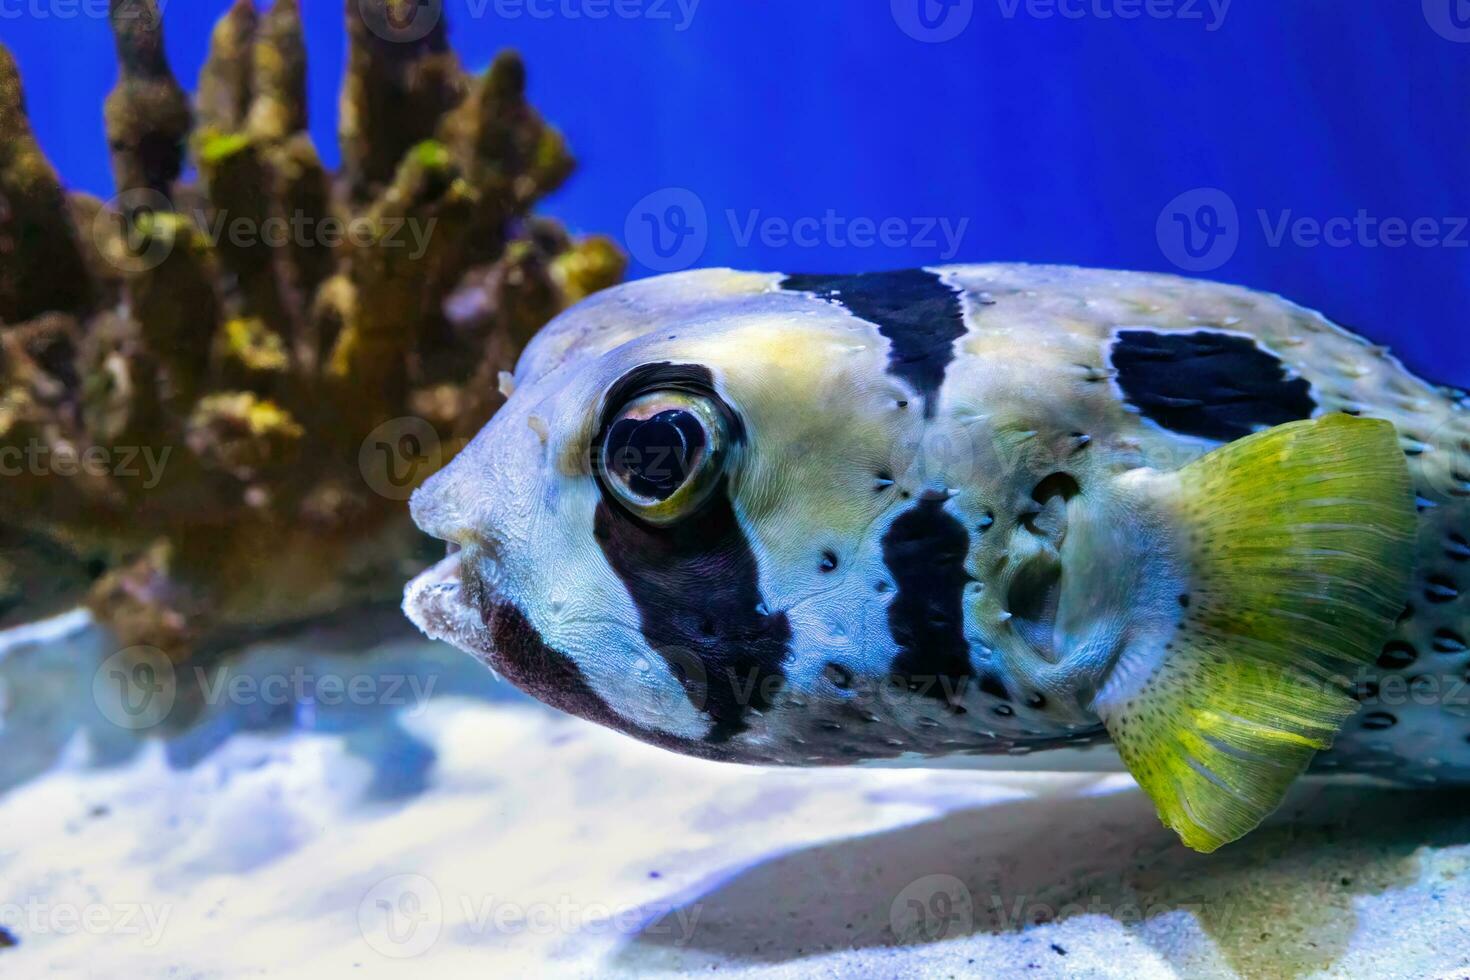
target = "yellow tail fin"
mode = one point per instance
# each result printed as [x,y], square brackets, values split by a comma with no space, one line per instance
[1297,546]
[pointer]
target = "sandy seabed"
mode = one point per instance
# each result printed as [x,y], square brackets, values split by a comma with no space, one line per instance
[450,827]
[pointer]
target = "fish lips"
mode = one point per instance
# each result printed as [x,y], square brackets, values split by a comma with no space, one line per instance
[441,604]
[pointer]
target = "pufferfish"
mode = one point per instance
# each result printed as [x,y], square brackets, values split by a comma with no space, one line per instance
[980,511]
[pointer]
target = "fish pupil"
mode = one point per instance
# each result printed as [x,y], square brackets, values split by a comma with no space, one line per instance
[653,457]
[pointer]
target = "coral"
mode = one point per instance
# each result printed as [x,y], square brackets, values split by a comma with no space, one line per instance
[216,393]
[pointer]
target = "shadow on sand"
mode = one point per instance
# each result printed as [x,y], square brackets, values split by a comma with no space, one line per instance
[1278,903]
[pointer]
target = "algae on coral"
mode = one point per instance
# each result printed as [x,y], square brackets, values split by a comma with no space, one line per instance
[188,373]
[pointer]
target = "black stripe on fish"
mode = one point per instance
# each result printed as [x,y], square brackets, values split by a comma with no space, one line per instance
[919,314]
[925,551]
[1211,385]
[524,659]
[697,590]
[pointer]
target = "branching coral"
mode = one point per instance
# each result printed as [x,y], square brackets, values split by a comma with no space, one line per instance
[216,393]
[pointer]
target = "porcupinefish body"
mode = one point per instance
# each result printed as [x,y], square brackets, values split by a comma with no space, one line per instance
[973,510]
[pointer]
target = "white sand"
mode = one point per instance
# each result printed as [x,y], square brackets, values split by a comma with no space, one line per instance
[477,834]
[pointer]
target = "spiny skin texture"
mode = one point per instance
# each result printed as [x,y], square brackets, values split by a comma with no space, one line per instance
[908,494]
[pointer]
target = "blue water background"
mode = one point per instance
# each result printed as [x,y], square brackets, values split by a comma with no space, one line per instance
[1052,137]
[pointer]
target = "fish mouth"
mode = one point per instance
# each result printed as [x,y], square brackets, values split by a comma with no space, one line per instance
[440,605]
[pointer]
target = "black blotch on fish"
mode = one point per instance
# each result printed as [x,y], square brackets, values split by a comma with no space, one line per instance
[919,314]
[1207,384]
[702,571]
[695,583]
[1448,641]
[925,551]
[993,686]
[1397,655]
[524,659]
[1457,548]
[1441,589]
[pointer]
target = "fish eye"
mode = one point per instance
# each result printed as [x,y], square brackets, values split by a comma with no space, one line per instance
[663,453]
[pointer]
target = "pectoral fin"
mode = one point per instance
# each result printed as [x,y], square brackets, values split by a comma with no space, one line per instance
[1295,549]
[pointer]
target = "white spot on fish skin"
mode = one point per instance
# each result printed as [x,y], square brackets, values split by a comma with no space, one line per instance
[506,383]
[538,425]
